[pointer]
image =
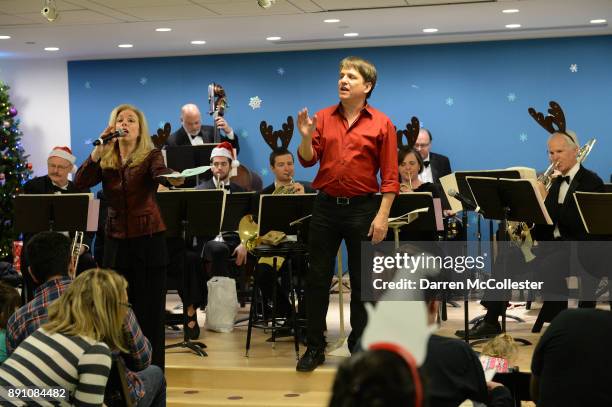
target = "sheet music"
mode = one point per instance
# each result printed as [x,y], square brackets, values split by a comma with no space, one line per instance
[536,190]
[450,182]
[189,172]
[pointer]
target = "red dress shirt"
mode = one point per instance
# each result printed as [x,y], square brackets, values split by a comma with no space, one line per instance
[351,156]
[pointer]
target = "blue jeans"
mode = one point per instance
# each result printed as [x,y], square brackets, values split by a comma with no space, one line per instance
[155,387]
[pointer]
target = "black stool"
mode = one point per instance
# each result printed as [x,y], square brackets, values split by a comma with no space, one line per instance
[286,250]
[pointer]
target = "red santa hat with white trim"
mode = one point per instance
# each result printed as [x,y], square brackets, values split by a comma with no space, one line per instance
[65,153]
[225,149]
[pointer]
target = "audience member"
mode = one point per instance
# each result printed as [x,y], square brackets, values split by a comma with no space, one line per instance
[71,351]
[9,302]
[571,363]
[50,261]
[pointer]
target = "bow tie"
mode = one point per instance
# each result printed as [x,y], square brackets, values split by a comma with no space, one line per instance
[565,178]
[426,164]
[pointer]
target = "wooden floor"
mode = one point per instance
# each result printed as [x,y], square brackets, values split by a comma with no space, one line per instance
[268,377]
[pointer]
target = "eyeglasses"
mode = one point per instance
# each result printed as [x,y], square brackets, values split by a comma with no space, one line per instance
[58,167]
[126,304]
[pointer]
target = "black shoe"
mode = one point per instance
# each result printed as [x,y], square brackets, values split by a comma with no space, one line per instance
[482,329]
[310,360]
[192,333]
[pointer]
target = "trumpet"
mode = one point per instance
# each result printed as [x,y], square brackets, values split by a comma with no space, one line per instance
[520,232]
[75,251]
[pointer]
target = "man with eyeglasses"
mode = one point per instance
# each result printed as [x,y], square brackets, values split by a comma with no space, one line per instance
[60,163]
[436,165]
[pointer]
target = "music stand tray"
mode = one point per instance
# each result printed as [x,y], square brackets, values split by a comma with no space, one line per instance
[62,212]
[277,212]
[593,208]
[237,204]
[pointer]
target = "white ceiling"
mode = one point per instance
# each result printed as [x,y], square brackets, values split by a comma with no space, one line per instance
[90,29]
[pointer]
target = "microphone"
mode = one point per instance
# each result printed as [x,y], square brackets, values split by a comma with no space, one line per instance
[118,133]
[470,205]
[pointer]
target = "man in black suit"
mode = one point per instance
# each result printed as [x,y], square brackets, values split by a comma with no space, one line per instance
[552,263]
[222,160]
[283,168]
[436,165]
[60,164]
[193,132]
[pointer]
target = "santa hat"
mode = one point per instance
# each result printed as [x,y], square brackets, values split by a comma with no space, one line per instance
[65,153]
[225,149]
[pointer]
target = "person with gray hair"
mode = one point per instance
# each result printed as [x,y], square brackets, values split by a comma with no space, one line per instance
[193,132]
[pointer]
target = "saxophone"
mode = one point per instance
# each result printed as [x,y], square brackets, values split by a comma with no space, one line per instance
[520,232]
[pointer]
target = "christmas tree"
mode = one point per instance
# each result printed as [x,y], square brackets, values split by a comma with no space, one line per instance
[14,170]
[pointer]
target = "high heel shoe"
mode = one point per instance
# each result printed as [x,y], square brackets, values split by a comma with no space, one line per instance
[192,333]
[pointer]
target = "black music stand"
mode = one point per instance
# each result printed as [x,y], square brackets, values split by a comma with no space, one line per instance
[464,189]
[180,158]
[509,200]
[64,212]
[237,204]
[189,213]
[283,213]
[593,208]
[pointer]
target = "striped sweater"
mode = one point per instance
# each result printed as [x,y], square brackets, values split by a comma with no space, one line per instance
[78,364]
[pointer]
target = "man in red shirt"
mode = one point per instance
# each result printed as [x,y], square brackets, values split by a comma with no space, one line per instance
[352,141]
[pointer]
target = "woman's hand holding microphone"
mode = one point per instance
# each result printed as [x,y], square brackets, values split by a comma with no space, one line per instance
[102,145]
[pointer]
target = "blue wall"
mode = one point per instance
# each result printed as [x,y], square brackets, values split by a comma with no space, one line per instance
[473,96]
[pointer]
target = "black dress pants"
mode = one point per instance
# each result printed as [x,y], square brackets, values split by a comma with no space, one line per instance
[330,224]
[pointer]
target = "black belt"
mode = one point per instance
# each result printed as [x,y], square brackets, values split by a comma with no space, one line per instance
[345,200]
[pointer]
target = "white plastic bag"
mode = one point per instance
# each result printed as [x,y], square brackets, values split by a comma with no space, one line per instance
[222,304]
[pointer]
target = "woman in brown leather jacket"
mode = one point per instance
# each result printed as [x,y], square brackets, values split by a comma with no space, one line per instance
[129,168]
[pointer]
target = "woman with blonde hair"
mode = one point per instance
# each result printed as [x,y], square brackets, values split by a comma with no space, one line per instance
[68,359]
[130,169]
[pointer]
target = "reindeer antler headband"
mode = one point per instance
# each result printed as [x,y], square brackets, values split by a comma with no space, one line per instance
[554,122]
[411,133]
[272,137]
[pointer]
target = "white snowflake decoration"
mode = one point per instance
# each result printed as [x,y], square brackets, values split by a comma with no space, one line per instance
[511,97]
[243,133]
[143,81]
[281,71]
[255,102]
[88,141]
[264,171]
[161,124]
[87,85]
[450,101]
[414,86]
[573,68]
[523,137]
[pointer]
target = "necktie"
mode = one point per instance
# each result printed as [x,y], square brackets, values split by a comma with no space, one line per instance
[426,164]
[565,178]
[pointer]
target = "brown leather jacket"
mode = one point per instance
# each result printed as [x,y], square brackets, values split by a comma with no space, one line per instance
[130,191]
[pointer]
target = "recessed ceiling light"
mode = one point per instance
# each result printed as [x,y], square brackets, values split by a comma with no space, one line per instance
[51,49]
[513,26]
[5,37]
[273,38]
[510,10]
[163,30]
[430,30]
[598,21]
[332,20]
[198,42]
[351,34]
[125,45]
